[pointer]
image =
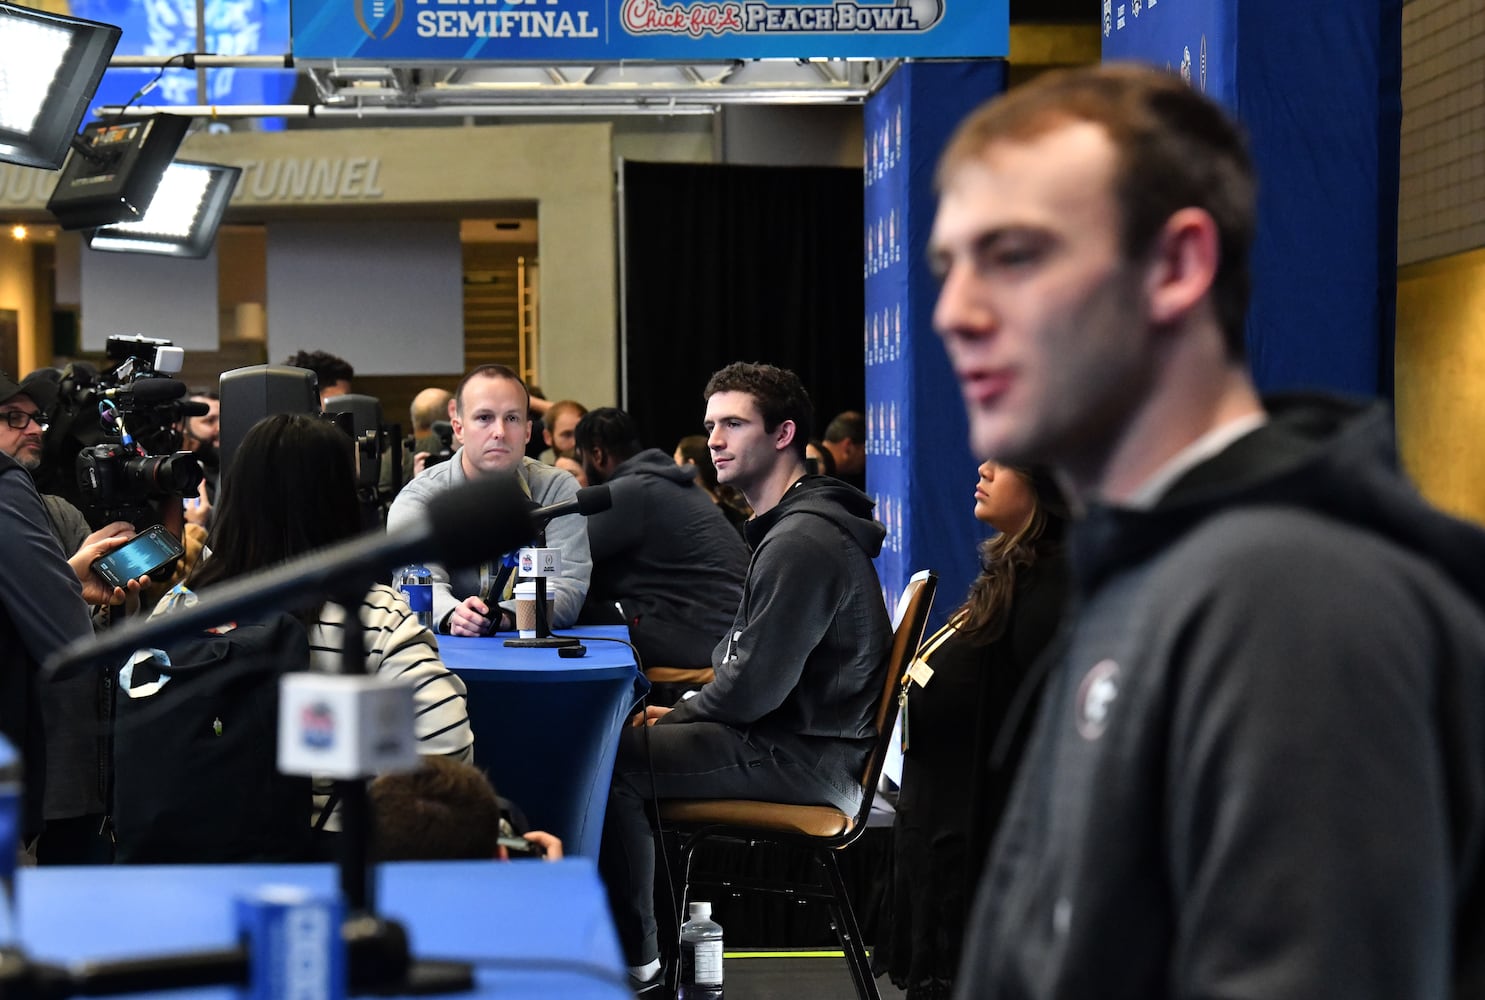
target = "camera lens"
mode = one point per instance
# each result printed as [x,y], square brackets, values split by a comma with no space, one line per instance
[166,475]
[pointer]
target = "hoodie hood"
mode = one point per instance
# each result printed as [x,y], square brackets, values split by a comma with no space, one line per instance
[654,462]
[824,496]
[1330,455]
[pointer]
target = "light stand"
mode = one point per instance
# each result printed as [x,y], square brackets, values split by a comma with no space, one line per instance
[544,638]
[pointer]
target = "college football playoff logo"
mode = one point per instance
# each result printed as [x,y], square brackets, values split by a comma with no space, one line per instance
[371,13]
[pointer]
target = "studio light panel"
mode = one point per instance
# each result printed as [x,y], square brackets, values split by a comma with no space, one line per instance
[183,216]
[50,66]
[31,59]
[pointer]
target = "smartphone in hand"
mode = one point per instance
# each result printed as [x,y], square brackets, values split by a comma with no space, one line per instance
[520,847]
[148,553]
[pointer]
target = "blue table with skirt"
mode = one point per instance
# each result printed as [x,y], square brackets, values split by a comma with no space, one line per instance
[531,929]
[546,728]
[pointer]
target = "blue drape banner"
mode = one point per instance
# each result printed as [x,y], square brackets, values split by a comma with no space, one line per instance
[918,468]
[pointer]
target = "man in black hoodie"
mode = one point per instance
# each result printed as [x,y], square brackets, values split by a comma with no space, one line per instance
[1258,770]
[799,672]
[664,553]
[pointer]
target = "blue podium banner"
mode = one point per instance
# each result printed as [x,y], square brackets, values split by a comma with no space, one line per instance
[579,31]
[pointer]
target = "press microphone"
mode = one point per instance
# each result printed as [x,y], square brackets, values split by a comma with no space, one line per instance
[588,500]
[466,526]
[148,391]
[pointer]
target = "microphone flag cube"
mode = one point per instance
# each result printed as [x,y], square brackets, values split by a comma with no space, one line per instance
[345,726]
[533,562]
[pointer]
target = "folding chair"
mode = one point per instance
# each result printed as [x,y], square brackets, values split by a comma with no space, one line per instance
[820,830]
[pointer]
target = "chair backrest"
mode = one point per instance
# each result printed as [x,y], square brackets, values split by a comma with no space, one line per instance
[916,602]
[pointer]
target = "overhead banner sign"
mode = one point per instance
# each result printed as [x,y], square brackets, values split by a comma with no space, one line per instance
[582,31]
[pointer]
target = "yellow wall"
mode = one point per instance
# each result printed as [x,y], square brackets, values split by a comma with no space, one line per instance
[1441,380]
[17,279]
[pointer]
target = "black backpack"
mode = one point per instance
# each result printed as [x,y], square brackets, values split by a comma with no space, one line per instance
[195,761]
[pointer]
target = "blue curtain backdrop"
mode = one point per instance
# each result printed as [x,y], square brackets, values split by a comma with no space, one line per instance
[1317,87]
[918,467]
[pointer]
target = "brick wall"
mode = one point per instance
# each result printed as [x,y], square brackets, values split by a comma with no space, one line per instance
[1441,205]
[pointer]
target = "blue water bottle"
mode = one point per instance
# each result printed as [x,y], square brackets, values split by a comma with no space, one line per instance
[417,585]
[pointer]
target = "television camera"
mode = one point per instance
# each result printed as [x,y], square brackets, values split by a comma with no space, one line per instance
[113,446]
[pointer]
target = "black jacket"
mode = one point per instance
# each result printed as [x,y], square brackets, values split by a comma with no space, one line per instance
[1259,767]
[666,553]
[807,649]
[41,610]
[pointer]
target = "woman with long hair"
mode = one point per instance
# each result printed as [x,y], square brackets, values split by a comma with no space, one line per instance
[975,705]
[291,489]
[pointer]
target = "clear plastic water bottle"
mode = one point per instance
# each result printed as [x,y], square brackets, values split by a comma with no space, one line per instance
[417,584]
[701,956]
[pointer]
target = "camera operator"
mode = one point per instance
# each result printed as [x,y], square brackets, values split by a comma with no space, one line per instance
[430,407]
[57,726]
[200,434]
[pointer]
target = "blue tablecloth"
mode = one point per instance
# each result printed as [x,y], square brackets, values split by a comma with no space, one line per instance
[546,728]
[533,929]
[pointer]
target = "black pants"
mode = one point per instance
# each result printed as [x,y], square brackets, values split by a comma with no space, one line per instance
[696,760]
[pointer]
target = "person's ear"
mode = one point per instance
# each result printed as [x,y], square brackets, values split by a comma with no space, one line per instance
[1182,266]
[783,435]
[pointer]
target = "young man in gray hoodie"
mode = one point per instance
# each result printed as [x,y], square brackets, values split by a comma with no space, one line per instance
[1258,768]
[789,716]
[666,561]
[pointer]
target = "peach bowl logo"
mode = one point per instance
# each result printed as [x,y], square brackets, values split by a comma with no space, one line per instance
[370,12]
[758,17]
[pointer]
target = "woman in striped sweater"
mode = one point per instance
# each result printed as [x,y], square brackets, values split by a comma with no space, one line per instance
[291,489]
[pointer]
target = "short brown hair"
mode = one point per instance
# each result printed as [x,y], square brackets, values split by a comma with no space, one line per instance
[562,406]
[1174,149]
[777,392]
[489,371]
[446,810]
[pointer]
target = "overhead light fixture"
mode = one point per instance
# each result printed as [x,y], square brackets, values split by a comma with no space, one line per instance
[50,66]
[114,169]
[183,218]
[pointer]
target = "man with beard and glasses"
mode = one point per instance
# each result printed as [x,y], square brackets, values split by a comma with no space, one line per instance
[57,726]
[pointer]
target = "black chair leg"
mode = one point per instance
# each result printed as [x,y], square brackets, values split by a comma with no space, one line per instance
[847,930]
[672,975]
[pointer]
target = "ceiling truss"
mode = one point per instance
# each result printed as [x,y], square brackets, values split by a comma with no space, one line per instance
[595,89]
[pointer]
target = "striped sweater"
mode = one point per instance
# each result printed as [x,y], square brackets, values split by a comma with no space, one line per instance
[396,647]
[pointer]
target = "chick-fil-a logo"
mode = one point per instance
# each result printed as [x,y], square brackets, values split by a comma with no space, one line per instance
[694,19]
